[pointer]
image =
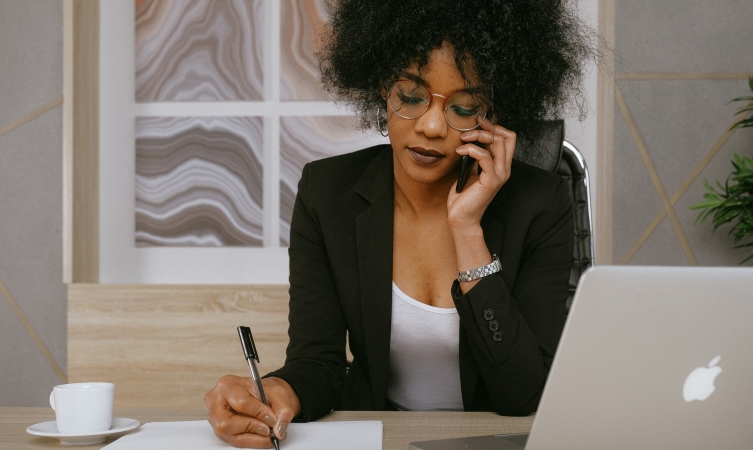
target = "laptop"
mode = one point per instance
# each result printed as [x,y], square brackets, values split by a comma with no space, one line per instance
[650,358]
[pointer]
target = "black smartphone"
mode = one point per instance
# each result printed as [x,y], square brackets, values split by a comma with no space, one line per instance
[466,164]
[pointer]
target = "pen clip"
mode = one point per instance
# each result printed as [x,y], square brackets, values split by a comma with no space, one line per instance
[247,341]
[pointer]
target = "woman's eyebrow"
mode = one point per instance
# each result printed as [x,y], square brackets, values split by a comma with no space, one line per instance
[473,90]
[415,78]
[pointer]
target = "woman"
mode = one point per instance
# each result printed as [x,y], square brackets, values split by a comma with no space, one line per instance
[449,300]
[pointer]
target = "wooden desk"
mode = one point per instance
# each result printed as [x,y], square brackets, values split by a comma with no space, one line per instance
[399,427]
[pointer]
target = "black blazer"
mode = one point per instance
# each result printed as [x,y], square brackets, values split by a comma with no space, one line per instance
[341,284]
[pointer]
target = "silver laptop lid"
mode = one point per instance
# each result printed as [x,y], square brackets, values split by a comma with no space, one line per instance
[638,357]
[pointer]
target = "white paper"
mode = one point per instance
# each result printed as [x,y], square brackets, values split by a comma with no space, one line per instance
[362,435]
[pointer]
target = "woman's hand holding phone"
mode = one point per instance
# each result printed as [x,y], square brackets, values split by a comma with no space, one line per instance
[492,147]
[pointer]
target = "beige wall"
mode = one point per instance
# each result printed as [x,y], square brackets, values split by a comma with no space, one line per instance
[32,293]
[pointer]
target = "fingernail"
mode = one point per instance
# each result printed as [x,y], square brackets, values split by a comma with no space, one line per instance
[281,430]
[262,430]
[269,420]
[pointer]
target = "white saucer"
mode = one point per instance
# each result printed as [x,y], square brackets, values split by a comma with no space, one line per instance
[50,429]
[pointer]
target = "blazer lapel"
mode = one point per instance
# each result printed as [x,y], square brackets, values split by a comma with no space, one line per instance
[374,230]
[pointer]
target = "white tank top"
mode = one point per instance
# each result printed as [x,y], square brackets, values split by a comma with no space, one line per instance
[424,366]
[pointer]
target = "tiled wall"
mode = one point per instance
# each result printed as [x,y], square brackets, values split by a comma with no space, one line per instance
[32,294]
[679,63]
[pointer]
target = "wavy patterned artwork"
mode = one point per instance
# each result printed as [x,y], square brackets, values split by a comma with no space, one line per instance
[305,139]
[302,20]
[199,181]
[199,50]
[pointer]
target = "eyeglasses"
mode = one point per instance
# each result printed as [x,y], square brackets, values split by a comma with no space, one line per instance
[462,110]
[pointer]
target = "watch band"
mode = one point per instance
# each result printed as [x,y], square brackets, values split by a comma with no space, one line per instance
[480,272]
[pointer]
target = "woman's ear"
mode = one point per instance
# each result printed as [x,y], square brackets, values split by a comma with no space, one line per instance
[384,90]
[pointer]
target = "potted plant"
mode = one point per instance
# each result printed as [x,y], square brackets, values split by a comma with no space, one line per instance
[733,202]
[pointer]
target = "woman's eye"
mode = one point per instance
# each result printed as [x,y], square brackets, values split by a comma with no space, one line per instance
[409,99]
[464,112]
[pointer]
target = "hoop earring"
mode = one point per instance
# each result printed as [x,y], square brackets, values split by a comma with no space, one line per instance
[379,124]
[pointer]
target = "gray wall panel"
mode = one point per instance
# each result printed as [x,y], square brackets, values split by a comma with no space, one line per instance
[31,56]
[684,35]
[31,200]
[25,377]
[680,121]
[679,118]
[661,249]
[31,242]
[635,199]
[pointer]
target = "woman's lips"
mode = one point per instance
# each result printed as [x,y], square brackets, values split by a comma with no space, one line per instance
[424,156]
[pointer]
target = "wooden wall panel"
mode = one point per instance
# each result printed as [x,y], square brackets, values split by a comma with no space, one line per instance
[166,346]
[80,141]
[604,220]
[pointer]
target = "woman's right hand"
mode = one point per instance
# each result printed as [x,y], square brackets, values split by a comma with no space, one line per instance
[240,418]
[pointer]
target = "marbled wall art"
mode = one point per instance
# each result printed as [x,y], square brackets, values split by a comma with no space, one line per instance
[199,50]
[198,181]
[302,21]
[305,139]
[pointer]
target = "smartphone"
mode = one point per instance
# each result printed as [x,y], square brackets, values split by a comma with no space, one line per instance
[466,164]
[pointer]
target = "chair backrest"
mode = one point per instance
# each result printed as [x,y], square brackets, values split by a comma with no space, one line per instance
[546,151]
[572,167]
[552,153]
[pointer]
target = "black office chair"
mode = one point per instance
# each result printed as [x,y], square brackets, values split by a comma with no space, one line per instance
[553,153]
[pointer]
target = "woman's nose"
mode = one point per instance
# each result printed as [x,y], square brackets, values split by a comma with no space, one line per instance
[432,123]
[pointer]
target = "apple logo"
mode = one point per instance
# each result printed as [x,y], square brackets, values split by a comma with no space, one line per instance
[700,383]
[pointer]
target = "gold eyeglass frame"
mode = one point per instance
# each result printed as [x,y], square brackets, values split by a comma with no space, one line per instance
[484,104]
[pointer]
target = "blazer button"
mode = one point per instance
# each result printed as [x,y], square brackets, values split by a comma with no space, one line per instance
[497,336]
[488,314]
[493,325]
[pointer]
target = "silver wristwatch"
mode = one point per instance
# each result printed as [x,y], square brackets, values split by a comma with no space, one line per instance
[480,272]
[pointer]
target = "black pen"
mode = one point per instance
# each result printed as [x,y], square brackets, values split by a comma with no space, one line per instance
[249,350]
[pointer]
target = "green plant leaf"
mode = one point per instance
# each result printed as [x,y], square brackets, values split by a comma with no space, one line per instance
[733,202]
[749,107]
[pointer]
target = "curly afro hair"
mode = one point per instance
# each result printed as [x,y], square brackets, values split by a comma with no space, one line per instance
[527,55]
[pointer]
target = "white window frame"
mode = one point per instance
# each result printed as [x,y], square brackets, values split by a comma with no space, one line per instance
[120,260]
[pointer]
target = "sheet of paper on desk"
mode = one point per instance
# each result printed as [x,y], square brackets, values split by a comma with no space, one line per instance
[362,435]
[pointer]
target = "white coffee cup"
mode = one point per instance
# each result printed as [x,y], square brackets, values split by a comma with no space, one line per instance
[82,408]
